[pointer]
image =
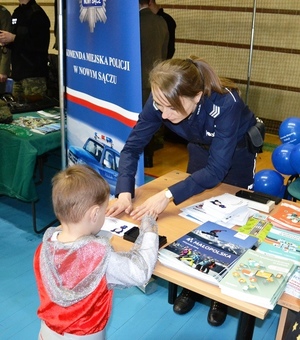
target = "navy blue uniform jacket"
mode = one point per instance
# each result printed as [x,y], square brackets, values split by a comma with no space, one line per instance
[220,121]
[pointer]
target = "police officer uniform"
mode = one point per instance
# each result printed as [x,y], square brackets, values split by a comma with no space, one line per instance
[217,143]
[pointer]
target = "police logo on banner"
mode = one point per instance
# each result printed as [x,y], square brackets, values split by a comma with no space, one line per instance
[92,11]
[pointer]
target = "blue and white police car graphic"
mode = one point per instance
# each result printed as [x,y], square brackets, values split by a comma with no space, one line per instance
[98,153]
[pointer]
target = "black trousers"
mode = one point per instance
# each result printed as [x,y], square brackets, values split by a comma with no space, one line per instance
[240,174]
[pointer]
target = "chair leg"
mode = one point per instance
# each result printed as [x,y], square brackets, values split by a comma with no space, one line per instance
[39,167]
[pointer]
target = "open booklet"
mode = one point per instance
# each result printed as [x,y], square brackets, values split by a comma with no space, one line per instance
[116,226]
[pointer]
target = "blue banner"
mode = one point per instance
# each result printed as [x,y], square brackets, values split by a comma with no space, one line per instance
[103,91]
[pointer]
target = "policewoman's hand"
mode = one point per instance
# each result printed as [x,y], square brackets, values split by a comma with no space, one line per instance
[156,203]
[122,203]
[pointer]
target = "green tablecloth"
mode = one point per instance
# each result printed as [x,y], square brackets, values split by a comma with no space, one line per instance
[18,157]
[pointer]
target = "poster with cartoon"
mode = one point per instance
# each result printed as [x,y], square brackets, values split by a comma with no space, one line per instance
[103,83]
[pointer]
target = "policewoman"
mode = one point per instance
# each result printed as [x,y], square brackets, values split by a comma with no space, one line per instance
[223,136]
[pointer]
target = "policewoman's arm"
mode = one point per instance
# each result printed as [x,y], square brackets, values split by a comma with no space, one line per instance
[229,128]
[148,123]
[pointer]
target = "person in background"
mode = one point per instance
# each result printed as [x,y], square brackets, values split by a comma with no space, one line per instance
[154,37]
[154,43]
[207,111]
[171,23]
[75,266]
[29,43]
[5,25]
[164,133]
[56,28]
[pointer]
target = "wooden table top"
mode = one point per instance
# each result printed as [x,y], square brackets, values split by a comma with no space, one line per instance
[174,226]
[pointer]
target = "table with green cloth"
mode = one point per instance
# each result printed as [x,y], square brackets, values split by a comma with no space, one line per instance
[18,157]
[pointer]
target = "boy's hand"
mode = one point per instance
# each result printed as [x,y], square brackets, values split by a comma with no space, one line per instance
[148,223]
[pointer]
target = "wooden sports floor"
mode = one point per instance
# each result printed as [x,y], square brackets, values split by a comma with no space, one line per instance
[174,156]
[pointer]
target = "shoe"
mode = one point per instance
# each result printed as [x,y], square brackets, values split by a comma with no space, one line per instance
[185,301]
[217,313]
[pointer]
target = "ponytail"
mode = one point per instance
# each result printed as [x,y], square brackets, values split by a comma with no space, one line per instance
[211,81]
[177,78]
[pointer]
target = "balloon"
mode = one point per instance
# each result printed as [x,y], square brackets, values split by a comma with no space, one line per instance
[295,158]
[289,130]
[281,159]
[269,182]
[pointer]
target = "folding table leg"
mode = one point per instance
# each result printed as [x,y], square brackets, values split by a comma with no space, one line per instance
[245,326]
[39,231]
[172,292]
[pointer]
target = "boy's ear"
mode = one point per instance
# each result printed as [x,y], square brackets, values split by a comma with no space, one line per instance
[95,211]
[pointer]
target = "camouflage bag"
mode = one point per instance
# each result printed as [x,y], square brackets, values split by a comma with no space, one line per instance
[5,114]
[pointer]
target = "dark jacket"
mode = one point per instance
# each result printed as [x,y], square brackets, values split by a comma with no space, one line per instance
[219,121]
[31,25]
[154,44]
[5,25]
[171,23]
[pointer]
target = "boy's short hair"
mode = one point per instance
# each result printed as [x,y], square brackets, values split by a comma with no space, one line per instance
[76,189]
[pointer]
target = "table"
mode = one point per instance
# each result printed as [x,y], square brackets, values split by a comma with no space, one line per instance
[173,226]
[18,158]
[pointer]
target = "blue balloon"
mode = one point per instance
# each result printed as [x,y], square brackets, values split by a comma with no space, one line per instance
[281,159]
[269,182]
[289,130]
[295,158]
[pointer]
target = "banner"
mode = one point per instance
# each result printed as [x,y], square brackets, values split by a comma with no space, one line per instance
[103,76]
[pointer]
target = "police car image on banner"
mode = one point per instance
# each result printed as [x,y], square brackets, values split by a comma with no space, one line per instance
[98,153]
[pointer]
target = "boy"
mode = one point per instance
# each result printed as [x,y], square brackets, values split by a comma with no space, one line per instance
[75,269]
